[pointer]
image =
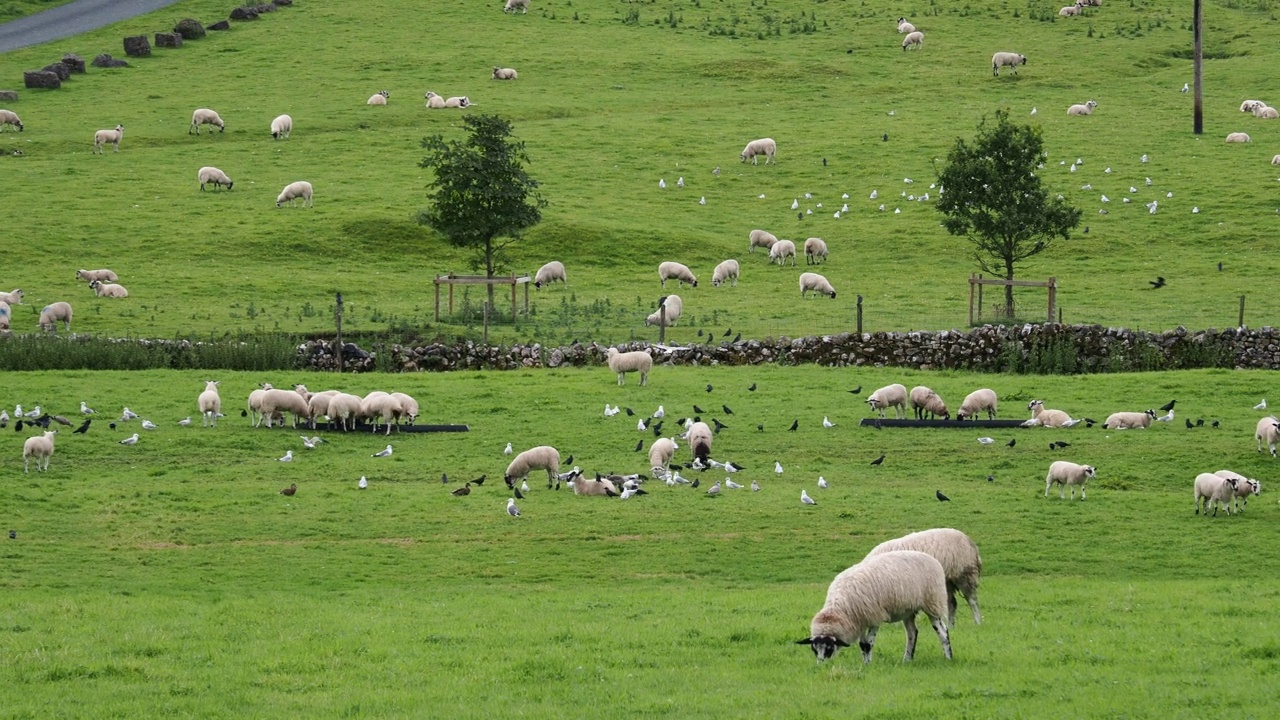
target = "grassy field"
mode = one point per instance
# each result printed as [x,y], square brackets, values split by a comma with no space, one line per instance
[14,9]
[650,91]
[171,578]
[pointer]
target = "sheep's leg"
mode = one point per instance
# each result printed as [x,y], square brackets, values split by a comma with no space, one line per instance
[951,604]
[972,597]
[1082,492]
[912,633]
[944,635]
[866,643]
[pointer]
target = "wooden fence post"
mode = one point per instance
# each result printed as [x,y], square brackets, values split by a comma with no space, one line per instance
[1241,323]
[1053,297]
[662,319]
[337,315]
[860,317]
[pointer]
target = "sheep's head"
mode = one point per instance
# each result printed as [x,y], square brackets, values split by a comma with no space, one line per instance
[1034,404]
[1090,471]
[833,294]
[823,646]
[1255,487]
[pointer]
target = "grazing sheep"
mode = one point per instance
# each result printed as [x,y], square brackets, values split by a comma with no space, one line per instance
[1275,160]
[378,98]
[41,448]
[280,401]
[623,363]
[813,282]
[293,191]
[977,401]
[434,101]
[104,137]
[255,403]
[504,73]
[598,486]
[104,275]
[890,396]
[1068,474]
[924,400]
[1269,432]
[110,290]
[1129,420]
[205,116]
[382,405]
[281,127]
[408,406]
[815,251]
[549,273]
[13,298]
[460,101]
[913,39]
[5,315]
[661,452]
[674,270]
[1069,11]
[1265,112]
[318,405]
[674,309]
[904,26]
[958,555]
[1239,137]
[51,314]
[699,436]
[1007,59]
[344,407]
[513,4]
[782,250]
[886,588]
[1047,418]
[726,271]
[762,238]
[210,404]
[763,146]
[1085,109]
[1244,488]
[543,457]
[1249,105]
[214,176]
[1216,491]
[9,117]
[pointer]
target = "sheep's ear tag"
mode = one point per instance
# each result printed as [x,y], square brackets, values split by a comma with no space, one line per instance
[806,641]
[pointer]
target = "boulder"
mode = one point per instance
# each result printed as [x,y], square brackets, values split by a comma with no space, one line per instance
[74,62]
[62,71]
[8,94]
[137,46]
[244,13]
[169,40]
[41,79]
[264,8]
[282,3]
[106,61]
[189,29]
[220,25]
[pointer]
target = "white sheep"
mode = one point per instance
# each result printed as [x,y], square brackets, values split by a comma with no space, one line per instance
[460,101]
[726,271]
[1239,137]
[110,290]
[549,273]
[214,176]
[623,363]
[9,117]
[1266,112]
[1068,474]
[104,137]
[978,401]
[210,404]
[1268,431]
[104,275]
[680,273]
[782,250]
[378,98]
[344,407]
[886,588]
[958,555]
[513,4]
[924,400]
[890,396]
[817,284]
[254,403]
[1047,418]
[763,146]
[1244,488]
[504,73]
[205,116]
[41,448]
[1275,160]
[1129,420]
[700,438]
[434,101]
[815,251]
[5,315]
[674,309]
[382,405]
[598,486]
[762,238]
[1216,491]
[318,405]
[913,39]
[1007,59]
[13,298]
[276,401]
[1085,109]
[1069,11]
[661,452]
[408,406]
[281,127]
[904,26]
[295,190]
[1249,105]
[542,457]
[51,314]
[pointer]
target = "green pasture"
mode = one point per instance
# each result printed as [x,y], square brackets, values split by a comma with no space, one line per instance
[171,578]
[612,97]
[14,9]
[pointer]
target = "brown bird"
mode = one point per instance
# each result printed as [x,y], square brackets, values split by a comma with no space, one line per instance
[464,490]
[289,491]
[61,420]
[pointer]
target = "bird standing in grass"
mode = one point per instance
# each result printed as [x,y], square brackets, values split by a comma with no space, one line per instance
[941,497]
[289,491]
[364,483]
[794,426]
[1159,281]
[288,456]
[512,510]
[804,498]
[878,460]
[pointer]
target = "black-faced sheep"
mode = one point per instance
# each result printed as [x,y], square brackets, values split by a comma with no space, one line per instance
[763,146]
[958,555]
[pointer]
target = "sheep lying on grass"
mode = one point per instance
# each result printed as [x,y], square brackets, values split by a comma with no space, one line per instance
[890,396]
[110,290]
[542,457]
[1214,490]
[623,363]
[924,400]
[1068,474]
[674,308]
[958,555]
[1085,109]
[434,101]
[504,74]
[1047,418]
[378,98]
[41,448]
[1239,137]
[1129,420]
[904,26]
[600,486]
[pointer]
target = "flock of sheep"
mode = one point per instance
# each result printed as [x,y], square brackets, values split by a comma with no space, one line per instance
[102,282]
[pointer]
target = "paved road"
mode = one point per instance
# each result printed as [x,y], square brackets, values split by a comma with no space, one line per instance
[72,19]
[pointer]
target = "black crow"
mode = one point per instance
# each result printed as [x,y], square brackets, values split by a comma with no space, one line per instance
[794,426]
[878,460]
[941,497]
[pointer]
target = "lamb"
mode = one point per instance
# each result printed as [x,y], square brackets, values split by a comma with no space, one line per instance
[549,273]
[205,116]
[104,137]
[51,314]
[1244,488]
[699,437]
[280,401]
[5,316]
[408,406]
[1129,420]
[817,284]
[13,298]
[210,404]
[214,176]
[104,275]
[913,39]
[460,101]
[1275,160]
[434,101]
[542,457]
[924,400]
[762,238]
[255,403]
[904,26]
[886,588]
[1265,112]
[1007,59]
[281,127]
[977,401]
[1268,431]
[599,486]
[1239,137]
[623,363]
[110,290]
[815,251]
[344,407]
[1069,11]
[513,4]
[782,250]
[1085,109]
[894,396]
[681,273]
[1249,105]
[1047,418]
[41,448]
[378,98]
[504,74]
[293,191]
[674,308]
[726,271]
[9,117]
[1216,491]
[763,146]
[958,555]
[661,452]
[1068,474]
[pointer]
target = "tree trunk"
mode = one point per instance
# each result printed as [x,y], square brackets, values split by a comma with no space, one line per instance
[488,267]
[1008,289]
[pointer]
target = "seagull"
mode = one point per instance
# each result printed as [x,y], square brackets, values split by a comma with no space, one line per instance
[34,413]
[1144,157]
[507,451]
[874,194]
[755,486]
[804,498]
[611,412]
[660,412]
[385,452]
[148,425]
[795,204]
[662,184]
[642,424]
[822,482]
[827,423]
[941,497]
[702,200]
[86,410]
[777,467]
[897,211]
[716,172]
[524,486]
[731,484]
[1148,185]
[1073,168]
[881,208]
[1033,112]
[715,490]
[289,491]
[130,440]
[288,456]
[907,180]
[1169,194]
[1087,186]
[808,196]
[512,510]
[1106,199]
[680,181]
[844,196]
[127,415]
[986,440]
[1262,405]
[1107,171]
[310,442]
[185,421]
[1185,87]
[1195,211]
[878,460]
[364,483]
[732,467]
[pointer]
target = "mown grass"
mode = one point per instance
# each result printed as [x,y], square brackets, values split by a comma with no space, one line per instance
[670,95]
[14,9]
[171,577]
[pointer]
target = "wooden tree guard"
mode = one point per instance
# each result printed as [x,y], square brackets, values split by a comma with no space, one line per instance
[976,281]
[513,280]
